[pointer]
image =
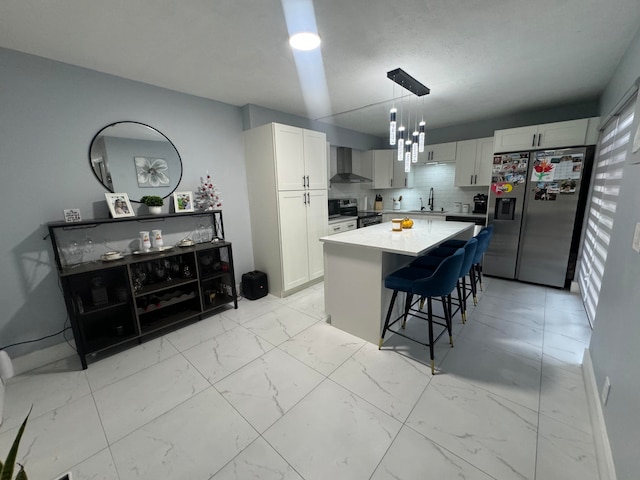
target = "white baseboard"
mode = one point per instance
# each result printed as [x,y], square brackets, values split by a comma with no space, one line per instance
[42,357]
[604,456]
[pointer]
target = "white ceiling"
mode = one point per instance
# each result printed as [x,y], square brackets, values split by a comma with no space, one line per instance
[481,59]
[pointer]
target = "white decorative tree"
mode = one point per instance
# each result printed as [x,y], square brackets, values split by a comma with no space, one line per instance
[208,195]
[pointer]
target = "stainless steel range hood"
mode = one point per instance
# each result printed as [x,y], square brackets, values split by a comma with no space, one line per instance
[345,173]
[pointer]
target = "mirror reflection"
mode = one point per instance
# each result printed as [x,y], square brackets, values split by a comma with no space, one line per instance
[136,159]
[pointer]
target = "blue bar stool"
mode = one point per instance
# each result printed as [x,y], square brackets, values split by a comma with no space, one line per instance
[430,263]
[425,284]
[475,273]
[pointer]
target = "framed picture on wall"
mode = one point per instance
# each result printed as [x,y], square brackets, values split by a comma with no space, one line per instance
[119,205]
[183,201]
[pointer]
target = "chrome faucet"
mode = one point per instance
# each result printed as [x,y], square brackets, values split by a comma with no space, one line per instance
[431,200]
[421,205]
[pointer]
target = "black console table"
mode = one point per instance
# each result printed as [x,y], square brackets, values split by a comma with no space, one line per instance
[118,301]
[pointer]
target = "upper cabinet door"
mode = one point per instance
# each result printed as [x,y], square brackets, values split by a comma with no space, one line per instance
[514,139]
[315,159]
[289,154]
[549,135]
[465,163]
[383,168]
[440,152]
[484,161]
[562,134]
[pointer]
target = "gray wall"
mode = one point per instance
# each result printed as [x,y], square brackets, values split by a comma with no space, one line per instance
[615,342]
[49,113]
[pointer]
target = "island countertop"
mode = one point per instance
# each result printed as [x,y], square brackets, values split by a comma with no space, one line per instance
[424,234]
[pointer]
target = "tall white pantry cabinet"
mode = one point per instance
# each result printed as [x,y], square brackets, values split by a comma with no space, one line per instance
[287,181]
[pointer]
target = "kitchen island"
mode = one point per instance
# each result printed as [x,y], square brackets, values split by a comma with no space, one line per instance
[356,263]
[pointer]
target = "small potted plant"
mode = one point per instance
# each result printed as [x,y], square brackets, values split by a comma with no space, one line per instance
[154,203]
[7,468]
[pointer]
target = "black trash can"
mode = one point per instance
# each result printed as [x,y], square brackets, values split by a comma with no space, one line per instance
[254,285]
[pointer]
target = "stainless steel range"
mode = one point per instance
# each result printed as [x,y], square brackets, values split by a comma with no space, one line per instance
[348,207]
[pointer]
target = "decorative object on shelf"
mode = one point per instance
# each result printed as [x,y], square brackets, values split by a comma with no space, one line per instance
[110,256]
[72,215]
[154,203]
[409,146]
[156,235]
[151,172]
[183,202]
[208,196]
[145,241]
[119,205]
[186,242]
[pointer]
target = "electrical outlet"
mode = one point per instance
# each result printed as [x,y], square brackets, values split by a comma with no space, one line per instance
[604,396]
[636,239]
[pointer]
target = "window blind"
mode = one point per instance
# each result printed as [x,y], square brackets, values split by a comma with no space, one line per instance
[612,150]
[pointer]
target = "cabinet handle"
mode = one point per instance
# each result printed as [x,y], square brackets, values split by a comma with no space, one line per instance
[391,182]
[475,179]
[308,198]
[471,179]
[351,225]
[539,138]
[405,182]
[308,182]
[533,140]
[304,198]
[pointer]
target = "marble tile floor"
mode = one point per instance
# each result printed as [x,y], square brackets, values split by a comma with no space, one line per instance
[271,391]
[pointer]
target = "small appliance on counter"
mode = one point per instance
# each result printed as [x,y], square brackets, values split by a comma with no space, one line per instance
[378,204]
[480,203]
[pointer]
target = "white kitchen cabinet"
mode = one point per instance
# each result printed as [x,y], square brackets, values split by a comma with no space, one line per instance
[287,222]
[549,135]
[439,152]
[303,220]
[388,172]
[301,157]
[382,168]
[401,179]
[474,160]
[344,226]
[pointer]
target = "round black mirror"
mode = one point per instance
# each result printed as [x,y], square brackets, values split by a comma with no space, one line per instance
[133,158]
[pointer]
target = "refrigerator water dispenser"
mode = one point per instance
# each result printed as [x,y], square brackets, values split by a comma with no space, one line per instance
[505,208]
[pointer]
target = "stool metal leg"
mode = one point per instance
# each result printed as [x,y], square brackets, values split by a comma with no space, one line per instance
[474,280]
[430,322]
[407,306]
[446,306]
[386,322]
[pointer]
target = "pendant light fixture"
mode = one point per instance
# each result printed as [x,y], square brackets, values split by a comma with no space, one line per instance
[408,148]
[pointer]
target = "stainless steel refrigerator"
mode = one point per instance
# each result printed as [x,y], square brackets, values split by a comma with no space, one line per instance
[536,206]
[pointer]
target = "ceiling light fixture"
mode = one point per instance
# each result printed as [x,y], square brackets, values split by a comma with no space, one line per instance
[304,41]
[407,82]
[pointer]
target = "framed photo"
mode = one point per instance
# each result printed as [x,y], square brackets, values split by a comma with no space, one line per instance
[119,205]
[183,201]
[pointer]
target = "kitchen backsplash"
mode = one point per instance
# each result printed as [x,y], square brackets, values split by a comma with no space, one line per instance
[439,177]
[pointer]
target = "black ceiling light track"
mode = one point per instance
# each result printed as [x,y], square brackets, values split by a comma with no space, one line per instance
[405,80]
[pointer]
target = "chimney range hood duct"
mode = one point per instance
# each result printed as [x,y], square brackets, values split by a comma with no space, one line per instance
[345,174]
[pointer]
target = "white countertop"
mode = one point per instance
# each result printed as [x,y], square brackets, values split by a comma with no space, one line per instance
[424,235]
[412,213]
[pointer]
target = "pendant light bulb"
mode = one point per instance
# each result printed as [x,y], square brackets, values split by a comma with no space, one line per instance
[392,126]
[401,143]
[407,157]
[414,152]
[421,136]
